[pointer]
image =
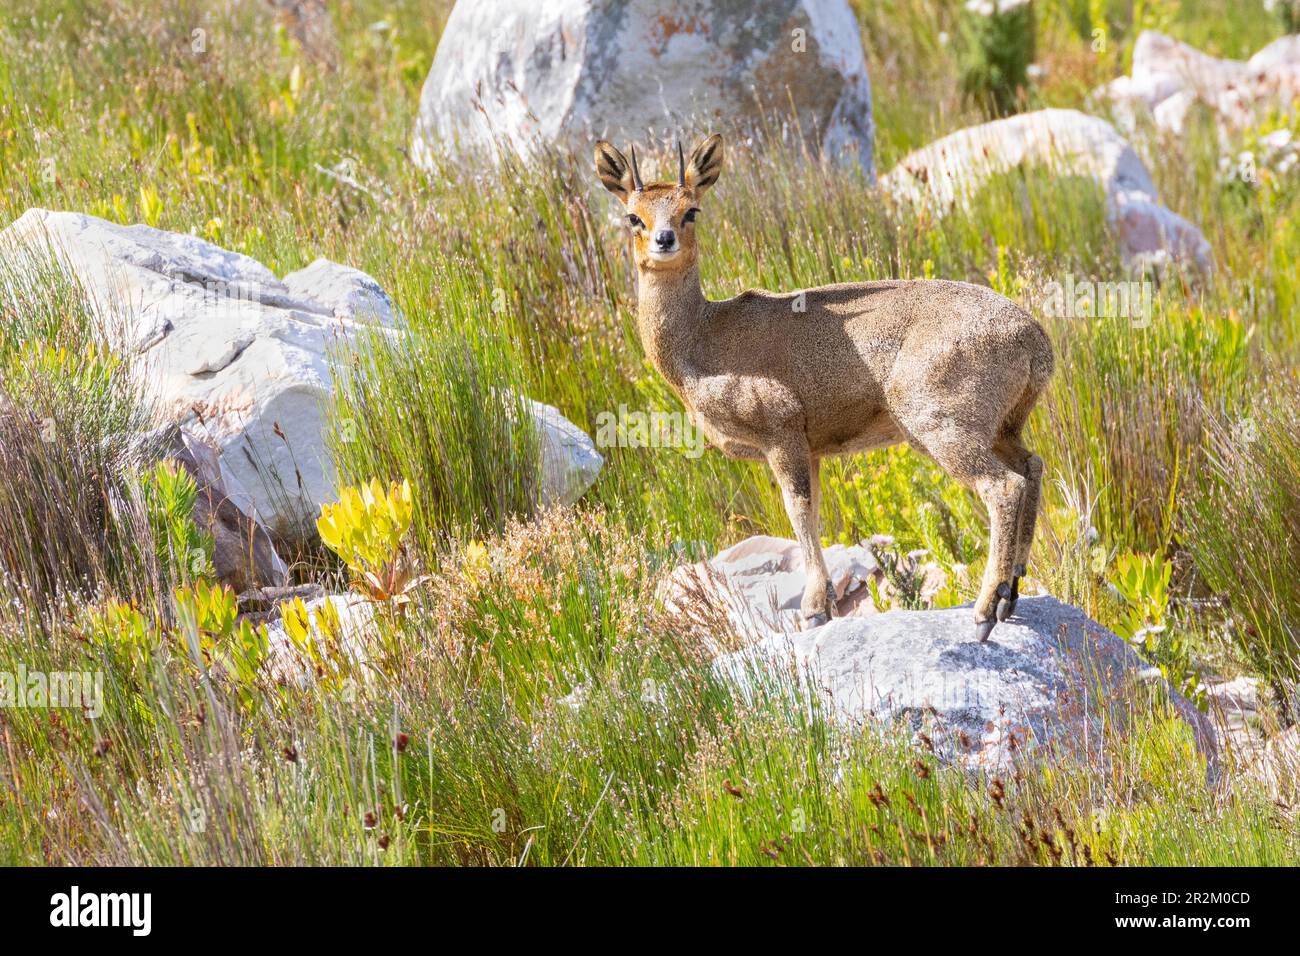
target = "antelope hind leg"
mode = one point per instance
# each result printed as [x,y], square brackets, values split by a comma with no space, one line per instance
[1025,526]
[1002,489]
[1012,452]
[1003,495]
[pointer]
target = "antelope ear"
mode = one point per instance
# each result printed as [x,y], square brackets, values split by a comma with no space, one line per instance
[705,164]
[613,169]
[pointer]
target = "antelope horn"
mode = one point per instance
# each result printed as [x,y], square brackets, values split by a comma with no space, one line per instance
[636,172]
[681,165]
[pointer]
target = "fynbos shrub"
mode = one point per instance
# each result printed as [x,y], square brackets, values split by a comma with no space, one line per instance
[999,48]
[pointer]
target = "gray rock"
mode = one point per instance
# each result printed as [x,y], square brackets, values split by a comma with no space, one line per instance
[1050,680]
[568,71]
[569,460]
[947,173]
[759,583]
[230,351]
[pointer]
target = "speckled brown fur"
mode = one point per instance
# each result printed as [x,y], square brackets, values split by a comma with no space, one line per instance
[951,368]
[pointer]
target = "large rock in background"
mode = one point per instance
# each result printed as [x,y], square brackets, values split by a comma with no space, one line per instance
[1168,77]
[949,171]
[243,358]
[569,71]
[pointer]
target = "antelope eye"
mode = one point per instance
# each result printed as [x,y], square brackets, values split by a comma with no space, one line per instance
[690,215]
[634,221]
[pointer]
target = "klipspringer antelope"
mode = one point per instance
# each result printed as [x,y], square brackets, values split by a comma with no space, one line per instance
[951,368]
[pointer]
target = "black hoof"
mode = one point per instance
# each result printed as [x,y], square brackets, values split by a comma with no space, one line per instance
[1015,596]
[1004,602]
[983,629]
[815,620]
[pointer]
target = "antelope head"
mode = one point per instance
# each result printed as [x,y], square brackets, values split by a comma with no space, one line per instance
[660,216]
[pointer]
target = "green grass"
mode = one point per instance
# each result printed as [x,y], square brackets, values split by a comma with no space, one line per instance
[515,280]
[1244,516]
[664,762]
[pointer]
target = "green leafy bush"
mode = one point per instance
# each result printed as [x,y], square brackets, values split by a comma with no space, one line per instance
[1287,13]
[999,48]
[70,521]
[183,549]
[446,414]
[898,492]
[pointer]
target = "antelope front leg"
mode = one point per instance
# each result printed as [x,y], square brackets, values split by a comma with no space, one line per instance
[798,473]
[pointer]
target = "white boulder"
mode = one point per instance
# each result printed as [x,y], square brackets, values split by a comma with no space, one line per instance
[948,172]
[1168,77]
[352,294]
[569,71]
[570,462]
[242,357]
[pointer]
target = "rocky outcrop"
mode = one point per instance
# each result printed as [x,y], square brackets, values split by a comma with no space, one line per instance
[237,355]
[1050,682]
[569,71]
[758,584]
[1169,77]
[949,171]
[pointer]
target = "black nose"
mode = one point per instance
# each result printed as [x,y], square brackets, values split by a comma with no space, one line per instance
[665,238]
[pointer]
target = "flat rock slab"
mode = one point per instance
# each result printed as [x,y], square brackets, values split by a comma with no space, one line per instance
[758,583]
[1049,681]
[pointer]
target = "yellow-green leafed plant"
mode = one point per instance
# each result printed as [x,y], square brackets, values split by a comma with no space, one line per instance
[120,633]
[897,493]
[183,549]
[121,625]
[365,528]
[209,613]
[1142,583]
[63,372]
[318,639]
[122,629]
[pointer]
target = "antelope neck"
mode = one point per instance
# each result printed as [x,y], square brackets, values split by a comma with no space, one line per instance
[670,308]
